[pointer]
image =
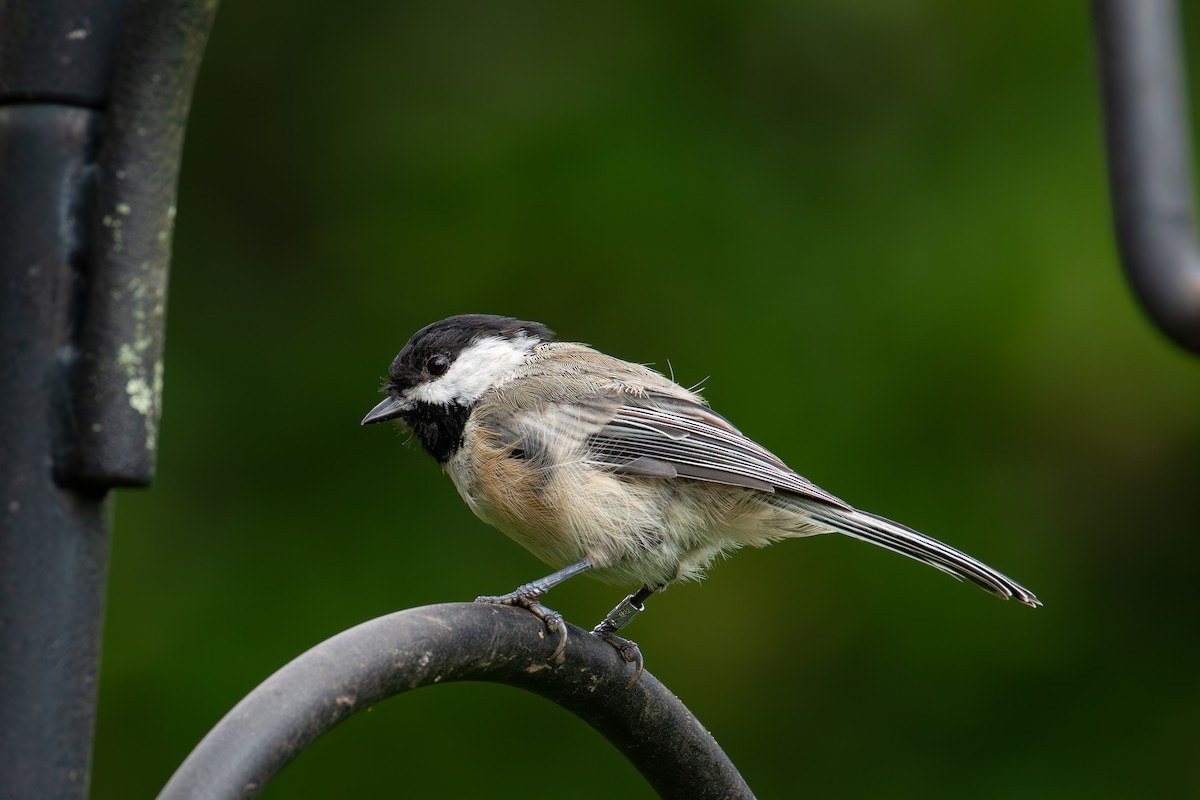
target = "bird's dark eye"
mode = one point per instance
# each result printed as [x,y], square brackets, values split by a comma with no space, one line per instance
[437,365]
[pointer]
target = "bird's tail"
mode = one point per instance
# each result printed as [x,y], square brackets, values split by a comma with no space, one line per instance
[907,542]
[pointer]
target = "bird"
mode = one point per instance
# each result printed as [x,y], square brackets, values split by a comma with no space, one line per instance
[602,466]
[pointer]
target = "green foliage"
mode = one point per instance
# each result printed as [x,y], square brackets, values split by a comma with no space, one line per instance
[880,228]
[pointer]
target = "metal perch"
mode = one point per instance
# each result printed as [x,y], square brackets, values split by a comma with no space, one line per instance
[455,642]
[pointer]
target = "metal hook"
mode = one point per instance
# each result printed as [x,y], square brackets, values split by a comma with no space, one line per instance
[1149,159]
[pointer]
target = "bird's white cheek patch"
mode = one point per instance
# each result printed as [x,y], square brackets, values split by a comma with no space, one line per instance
[486,363]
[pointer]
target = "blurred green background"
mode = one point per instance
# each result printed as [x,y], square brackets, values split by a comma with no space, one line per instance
[881,229]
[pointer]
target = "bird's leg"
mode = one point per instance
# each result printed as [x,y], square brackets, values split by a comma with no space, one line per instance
[617,619]
[526,596]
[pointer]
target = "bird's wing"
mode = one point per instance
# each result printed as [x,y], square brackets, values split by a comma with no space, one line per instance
[665,436]
[671,437]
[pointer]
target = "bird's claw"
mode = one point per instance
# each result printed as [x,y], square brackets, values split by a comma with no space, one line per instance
[628,650]
[553,620]
[554,624]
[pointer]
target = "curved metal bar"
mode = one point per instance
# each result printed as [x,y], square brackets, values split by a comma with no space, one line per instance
[1149,159]
[455,642]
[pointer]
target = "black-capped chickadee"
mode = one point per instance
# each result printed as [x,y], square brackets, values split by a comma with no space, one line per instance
[599,465]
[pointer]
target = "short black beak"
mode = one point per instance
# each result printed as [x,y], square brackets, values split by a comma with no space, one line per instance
[389,408]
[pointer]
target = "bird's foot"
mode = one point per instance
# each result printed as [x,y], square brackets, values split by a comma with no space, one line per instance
[628,650]
[526,597]
[617,619]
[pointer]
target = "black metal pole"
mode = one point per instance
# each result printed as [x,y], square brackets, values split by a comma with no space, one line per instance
[53,540]
[56,60]
[1148,138]
[458,642]
[93,98]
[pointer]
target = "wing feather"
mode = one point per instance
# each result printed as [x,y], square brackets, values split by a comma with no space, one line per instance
[647,434]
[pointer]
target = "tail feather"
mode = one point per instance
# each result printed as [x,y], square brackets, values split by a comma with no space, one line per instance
[907,542]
